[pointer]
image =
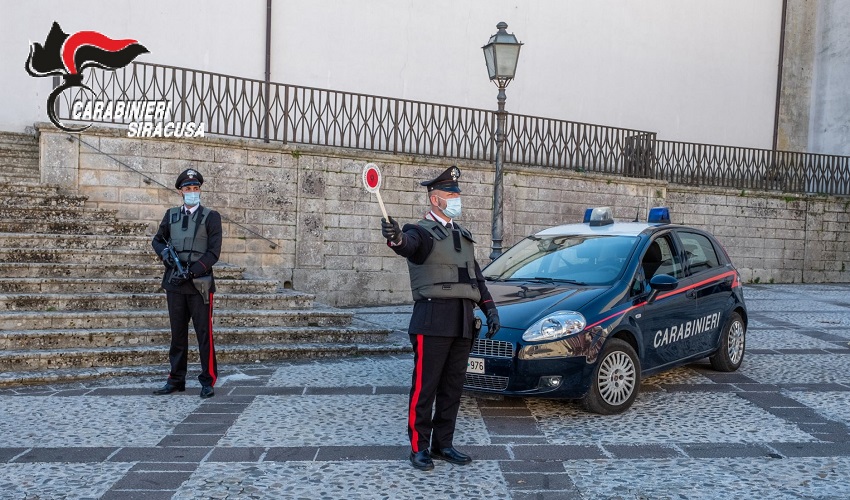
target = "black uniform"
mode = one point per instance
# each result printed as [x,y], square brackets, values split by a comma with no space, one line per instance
[185,302]
[441,332]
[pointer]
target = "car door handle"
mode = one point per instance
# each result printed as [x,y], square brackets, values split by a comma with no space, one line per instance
[691,294]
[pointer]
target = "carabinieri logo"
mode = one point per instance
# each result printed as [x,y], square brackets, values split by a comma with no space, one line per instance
[68,56]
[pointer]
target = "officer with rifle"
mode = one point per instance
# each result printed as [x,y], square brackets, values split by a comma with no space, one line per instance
[189,244]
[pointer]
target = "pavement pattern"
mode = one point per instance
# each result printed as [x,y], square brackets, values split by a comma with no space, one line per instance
[335,428]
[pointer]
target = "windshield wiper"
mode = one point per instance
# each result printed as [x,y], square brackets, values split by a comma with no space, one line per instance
[543,279]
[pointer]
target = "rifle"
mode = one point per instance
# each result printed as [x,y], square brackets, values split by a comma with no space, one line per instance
[182,273]
[201,283]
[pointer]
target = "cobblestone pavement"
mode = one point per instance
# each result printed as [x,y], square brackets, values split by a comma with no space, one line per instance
[335,428]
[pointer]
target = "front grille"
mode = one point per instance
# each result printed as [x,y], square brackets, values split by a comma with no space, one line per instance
[492,348]
[486,382]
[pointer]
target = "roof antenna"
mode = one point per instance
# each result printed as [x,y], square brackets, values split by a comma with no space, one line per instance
[637,215]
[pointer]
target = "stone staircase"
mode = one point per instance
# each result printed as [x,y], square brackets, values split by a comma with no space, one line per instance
[80,295]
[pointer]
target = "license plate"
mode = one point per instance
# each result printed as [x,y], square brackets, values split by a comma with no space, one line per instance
[475,365]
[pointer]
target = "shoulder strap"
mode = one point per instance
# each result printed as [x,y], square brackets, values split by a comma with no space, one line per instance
[465,232]
[436,229]
[173,215]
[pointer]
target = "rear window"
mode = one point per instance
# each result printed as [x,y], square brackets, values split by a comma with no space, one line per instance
[700,254]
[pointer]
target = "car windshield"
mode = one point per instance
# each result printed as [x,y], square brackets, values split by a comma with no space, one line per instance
[582,259]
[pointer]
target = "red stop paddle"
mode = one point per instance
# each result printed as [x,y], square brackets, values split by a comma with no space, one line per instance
[372,183]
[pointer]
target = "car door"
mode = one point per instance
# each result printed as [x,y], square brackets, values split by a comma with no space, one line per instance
[710,281]
[663,322]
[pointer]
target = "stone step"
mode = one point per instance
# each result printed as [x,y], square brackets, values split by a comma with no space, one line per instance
[76,241]
[122,270]
[46,320]
[123,285]
[13,178]
[120,301]
[13,198]
[17,169]
[68,365]
[73,227]
[40,213]
[10,138]
[130,258]
[15,151]
[18,340]
[32,188]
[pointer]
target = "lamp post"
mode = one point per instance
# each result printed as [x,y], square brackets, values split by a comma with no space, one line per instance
[501,55]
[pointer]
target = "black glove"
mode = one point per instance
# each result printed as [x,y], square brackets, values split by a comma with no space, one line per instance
[390,230]
[178,279]
[197,269]
[493,324]
[166,258]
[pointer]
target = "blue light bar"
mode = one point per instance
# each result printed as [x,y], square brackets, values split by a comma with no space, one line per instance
[587,215]
[658,215]
[600,216]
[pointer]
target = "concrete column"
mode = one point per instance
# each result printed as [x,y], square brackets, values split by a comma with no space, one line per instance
[798,64]
[59,159]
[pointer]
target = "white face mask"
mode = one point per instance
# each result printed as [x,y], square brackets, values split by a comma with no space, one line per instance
[453,207]
[192,199]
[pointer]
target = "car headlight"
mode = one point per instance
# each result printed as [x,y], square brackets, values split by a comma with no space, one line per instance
[555,326]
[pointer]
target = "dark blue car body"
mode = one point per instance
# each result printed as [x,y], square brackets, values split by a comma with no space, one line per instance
[667,292]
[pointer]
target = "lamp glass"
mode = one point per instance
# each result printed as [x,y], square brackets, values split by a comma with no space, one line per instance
[507,56]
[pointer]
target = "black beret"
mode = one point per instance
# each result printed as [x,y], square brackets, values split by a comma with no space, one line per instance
[189,177]
[447,181]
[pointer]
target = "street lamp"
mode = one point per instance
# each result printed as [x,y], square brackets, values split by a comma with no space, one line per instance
[501,55]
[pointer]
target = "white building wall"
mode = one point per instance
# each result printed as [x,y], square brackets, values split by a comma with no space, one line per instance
[692,70]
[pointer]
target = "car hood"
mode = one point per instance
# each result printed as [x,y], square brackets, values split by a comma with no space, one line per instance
[521,304]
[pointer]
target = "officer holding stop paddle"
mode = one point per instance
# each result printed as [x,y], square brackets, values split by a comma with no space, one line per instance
[447,284]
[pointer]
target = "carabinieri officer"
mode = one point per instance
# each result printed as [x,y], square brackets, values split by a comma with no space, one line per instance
[447,284]
[194,231]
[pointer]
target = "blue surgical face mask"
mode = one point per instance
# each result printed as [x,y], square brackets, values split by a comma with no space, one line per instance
[192,199]
[453,207]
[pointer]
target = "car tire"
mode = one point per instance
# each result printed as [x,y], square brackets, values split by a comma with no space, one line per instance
[733,342]
[616,379]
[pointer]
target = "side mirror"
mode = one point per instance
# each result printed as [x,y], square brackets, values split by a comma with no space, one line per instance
[661,283]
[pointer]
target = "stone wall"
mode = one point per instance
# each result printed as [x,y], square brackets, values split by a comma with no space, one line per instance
[310,202]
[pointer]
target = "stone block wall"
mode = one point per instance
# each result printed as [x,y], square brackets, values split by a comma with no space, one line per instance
[325,228]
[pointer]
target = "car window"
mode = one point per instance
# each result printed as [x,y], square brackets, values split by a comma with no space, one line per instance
[660,258]
[699,252]
[589,259]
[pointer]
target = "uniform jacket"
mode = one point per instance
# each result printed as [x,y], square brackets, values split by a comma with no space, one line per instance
[439,317]
[205,264]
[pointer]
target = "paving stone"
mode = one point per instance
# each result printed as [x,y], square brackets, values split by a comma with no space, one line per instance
[66,455]
[363,420]
[632,451]
[7,454]
[664,418]
[337,453]
[237,454]
[181,440]
[721,450]
[556,452]
[512,426]
[89,420]
[150,480]
[350,480]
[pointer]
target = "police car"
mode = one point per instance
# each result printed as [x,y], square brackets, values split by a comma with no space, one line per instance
[588,310]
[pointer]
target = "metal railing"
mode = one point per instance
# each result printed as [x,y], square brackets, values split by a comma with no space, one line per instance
[238,107]
[751,168]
